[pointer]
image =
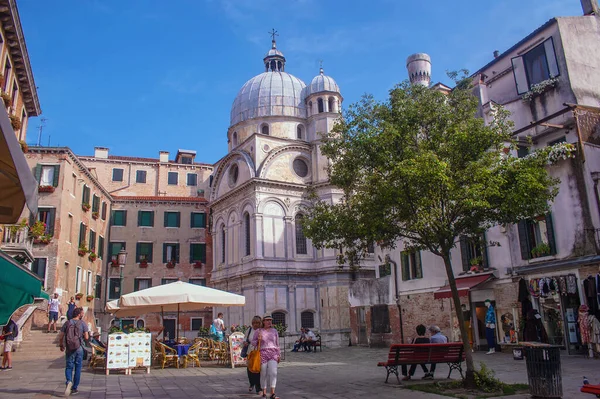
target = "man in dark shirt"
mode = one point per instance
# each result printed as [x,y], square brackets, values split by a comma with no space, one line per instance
[420,339]
[9,333]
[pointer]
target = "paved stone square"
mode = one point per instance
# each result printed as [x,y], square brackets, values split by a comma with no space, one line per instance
[335,373]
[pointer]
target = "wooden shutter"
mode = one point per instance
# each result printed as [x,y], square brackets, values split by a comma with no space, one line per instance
[177,253]
[203,253]
[103,215]
[124,218]
[152,218]
[484,251]
[464,253]
[149,256]
[138,251]
[38,172]
[81,234]
[419,266]
[178,219]
[51,218]
[56,174]
[140,218]
[524,240]
[405,265]
[192,253]
[136,284]
[520,75]
[165,260]
[100,247]
[550,231]
[551,58]
[166,218]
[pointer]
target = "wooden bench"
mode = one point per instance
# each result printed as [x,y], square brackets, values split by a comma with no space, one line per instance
[316,342]
[408,354]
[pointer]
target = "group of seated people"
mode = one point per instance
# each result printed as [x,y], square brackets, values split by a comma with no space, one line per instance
[436,337]
[306,340]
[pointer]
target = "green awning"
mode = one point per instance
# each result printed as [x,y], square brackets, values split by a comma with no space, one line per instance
[19,287]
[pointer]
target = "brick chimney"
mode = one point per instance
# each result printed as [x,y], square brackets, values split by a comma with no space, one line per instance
[163,156]
[101,152]
[590,7]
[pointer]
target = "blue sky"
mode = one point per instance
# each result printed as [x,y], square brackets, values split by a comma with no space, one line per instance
[141,76]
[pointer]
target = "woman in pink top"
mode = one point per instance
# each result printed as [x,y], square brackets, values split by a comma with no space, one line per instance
[269,355]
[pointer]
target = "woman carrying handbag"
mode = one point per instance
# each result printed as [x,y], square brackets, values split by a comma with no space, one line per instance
[267,339]
[253,378]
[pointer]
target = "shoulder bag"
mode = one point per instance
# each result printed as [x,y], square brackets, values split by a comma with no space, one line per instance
[254,359]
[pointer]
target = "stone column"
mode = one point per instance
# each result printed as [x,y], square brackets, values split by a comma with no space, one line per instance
[258,236]
[289,237]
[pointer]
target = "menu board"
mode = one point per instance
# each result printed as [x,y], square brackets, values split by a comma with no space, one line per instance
[236,343]
[140,349]
[117,352]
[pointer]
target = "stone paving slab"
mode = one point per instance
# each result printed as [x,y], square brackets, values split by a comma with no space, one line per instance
[335,373]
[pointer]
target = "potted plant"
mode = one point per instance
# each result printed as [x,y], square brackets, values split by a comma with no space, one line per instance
[476,262]
[37,230]
[85,206]
[143,263]
[197,264]
[43,239]
[540,250]
[92,256]
[24,146]
[7,99]
[114,262]
[82,250]
[95,215]
[171,264]
[15,122]
[78,296]
[89,298]
[46,189]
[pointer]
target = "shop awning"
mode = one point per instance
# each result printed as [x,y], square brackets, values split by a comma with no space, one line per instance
[463,284]
[17,184]
[19,287]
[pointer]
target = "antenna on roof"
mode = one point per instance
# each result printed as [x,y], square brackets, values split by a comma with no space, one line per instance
[41,127]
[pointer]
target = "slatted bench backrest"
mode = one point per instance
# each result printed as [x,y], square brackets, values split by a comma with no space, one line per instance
[425,353]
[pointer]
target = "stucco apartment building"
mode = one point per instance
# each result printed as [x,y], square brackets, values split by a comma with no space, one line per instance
[550,83]
[159,216]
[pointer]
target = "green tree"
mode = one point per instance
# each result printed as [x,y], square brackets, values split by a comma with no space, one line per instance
[424,168]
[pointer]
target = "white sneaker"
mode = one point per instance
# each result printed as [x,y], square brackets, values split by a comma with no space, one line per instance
[68,388]
[491,351]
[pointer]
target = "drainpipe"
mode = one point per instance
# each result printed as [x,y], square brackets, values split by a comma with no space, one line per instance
[389,260]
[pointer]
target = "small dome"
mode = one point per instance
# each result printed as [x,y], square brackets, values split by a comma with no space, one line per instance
[320,83]
[269,94]
[274,52]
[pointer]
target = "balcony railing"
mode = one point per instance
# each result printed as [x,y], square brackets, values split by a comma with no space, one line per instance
[16,241]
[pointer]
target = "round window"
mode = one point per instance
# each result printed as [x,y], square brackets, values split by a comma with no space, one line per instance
[300,167]
[233,174]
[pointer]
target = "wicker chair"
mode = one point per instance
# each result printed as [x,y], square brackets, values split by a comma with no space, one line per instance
[222,352]
[193,355]
[204,349]
[167,355]
[98,357]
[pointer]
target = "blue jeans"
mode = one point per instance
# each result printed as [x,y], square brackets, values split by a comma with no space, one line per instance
[74,359]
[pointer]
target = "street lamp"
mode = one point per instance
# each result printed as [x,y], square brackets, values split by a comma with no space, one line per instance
[122,260]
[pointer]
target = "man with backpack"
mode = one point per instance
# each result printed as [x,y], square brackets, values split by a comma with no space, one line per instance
[71,337]
[9,333]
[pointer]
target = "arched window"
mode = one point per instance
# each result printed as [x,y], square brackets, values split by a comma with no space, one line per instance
[310,109]
[331,102]
[140,323]
[307,319]
[299,132]
[235,139]
[265,129]
[223,244]
[300,237]
[320,105]
[279,318]
[247,233]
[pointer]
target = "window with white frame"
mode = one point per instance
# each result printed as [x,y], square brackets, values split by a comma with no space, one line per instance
[47,176]
[78,279]
[89,284]
[535,66]
[411,265]
[196,323]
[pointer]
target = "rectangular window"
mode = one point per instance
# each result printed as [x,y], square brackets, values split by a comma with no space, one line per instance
[473,252]
[186,160]
[82,231]
[380,319]
[198,281]
[146,218]
[89,284]
[172,219]
[197,253]
[101,247]
[98,286]
[142,283]
[192,179]
[78,279]
[196,323]
[119,218]
[143,252]
[522,151]
[95,203]
[39,266]
[74,185]
[47,216]
[7,70]
[85,197]
[47,175]
[170,253]
[535,66]
[140,176]
[114,248]
[198,220]
[411,265]
[173,178]
[117,174]
[536,237]
[70,227]
[114,287]
[92,245]
[168,281]
[103,213]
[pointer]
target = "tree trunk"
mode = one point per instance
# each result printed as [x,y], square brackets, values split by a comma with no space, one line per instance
[470,372]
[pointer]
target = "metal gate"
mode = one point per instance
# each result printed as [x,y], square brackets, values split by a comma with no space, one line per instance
[362,327]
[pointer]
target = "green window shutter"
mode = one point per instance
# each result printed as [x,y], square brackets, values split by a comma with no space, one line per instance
[124,218]
[81,233]
[165,253]
[38,172]
[166,219]
[550,231]
[149,252]
[56,174]
[178,219]
[419,266]
[203,220]
[464,253]
[152,218]
[140,213]
[138,251]
[484,253]
[101,247]
[524,240]
[405,265]
[191,253]
[192,219]
[51,218]
[103,215]
[203,253]
[177,253]
[136,284]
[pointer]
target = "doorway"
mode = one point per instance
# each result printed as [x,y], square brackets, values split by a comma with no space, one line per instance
[479,326]
[362,327]
[169,328]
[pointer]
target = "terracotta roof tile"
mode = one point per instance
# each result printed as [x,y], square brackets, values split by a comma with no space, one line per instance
[158,198]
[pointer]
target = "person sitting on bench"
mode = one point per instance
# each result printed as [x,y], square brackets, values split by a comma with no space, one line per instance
[436,338]
[310,340]
[420,339]
[300,341]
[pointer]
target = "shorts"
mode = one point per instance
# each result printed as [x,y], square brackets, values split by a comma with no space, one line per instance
[53,316]
[8,345]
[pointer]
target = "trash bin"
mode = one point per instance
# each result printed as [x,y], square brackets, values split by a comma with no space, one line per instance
[543,371]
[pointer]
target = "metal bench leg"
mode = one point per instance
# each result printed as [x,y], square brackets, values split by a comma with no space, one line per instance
[390,370]
[455,366]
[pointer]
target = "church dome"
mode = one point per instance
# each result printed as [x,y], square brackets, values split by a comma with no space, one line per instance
[320,83]
[272,93]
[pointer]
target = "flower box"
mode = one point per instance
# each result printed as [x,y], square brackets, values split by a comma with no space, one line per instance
[89,298]
[86,207]
[92,257]
[24,146]
[95,215]
[82,251]
[7,99]
[44,239]
[197,265]
[46,189]
[170,265]
[15,122]
[78,296]
[143,263]
[114,263]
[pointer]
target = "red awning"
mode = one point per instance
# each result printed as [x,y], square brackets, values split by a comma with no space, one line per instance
[463,284]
